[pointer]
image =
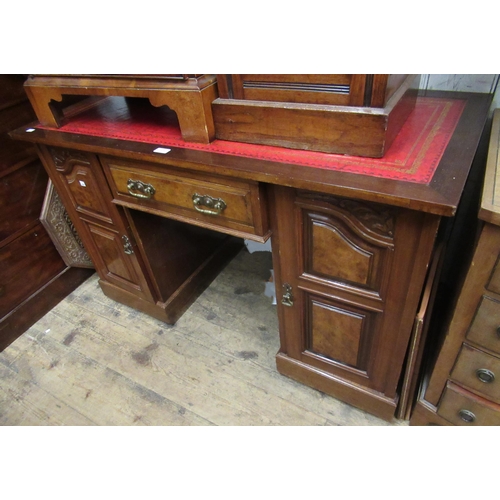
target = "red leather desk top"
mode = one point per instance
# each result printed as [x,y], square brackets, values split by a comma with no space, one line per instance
[413,156]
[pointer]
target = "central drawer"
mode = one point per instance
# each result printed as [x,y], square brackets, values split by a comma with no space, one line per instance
[214,202]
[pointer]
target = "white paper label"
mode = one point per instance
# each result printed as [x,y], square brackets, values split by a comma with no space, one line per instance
[162,151]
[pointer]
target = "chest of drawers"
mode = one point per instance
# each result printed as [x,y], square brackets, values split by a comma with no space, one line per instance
[463,387]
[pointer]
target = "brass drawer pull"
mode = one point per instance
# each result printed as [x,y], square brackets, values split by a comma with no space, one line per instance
[467,416]
[215,206]
[140,189]
[484,375]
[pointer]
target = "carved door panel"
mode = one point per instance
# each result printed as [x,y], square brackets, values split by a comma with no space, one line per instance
[115,256]
[82,182]
[102,226]
[350,275]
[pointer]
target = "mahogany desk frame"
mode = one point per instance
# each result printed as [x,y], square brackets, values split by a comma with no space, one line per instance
[384,381]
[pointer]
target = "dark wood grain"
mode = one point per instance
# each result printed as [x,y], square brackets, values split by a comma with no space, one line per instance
[35,306]
[21,198]
[33,276]
[20,273]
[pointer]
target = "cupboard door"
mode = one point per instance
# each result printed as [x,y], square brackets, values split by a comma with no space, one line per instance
[349,278]
[115,256]
[102,226]
[80,182]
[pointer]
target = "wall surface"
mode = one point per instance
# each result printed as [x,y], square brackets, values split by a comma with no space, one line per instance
[464,83]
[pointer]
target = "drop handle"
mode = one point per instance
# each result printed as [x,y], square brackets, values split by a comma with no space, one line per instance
[207,205]
[485,375]
[467,416]
[140,189]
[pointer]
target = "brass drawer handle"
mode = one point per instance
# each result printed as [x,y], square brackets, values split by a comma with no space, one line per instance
[140,189]
[215,206]
[467,416]
[484,375]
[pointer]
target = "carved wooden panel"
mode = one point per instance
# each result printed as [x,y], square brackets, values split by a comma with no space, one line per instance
[57,223]
[82,183]
[359,237]
[338,332]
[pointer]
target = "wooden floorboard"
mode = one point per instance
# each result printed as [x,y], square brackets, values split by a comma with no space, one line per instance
[94,362]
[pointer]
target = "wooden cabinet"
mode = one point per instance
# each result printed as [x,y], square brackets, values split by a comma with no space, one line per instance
[33,276]
[346,114]
[342,90]
[463,386]
[118,245]
[81,182]
[351,251]
[344,265]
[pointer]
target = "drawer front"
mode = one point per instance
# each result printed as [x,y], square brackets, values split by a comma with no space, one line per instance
[460,407]
[478,371]
[485,327]
[231,206]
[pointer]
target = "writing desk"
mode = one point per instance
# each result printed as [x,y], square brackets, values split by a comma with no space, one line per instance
[353,239]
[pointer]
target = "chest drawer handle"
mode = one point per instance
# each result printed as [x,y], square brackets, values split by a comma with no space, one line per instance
[215,206]
[467,416]
[485,375]
[140,189]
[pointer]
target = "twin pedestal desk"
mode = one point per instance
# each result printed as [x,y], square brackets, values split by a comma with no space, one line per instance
[356,242]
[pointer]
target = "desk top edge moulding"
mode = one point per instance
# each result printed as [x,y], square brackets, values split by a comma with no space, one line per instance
[352,237]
